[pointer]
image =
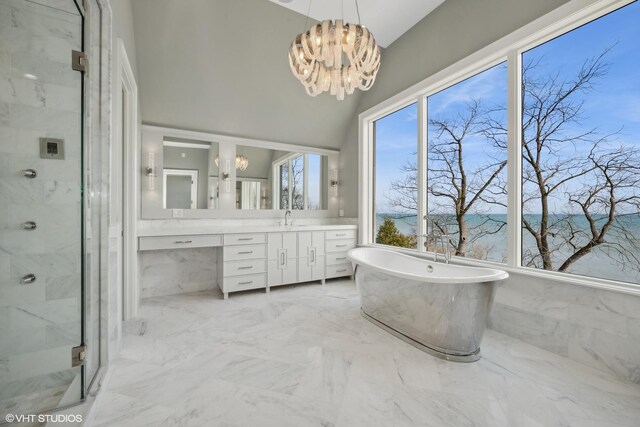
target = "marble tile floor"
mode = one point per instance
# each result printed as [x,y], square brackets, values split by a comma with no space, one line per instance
[303,356]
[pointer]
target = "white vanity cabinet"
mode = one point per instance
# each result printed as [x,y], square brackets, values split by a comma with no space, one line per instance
[242,263]
[338,243]
[311,256]
[262,257]
[282,250]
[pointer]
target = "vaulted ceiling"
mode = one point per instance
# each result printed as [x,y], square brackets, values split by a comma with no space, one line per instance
[386,19]
[221,66]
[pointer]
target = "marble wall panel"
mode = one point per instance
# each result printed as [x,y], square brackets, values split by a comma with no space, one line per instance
[596,327]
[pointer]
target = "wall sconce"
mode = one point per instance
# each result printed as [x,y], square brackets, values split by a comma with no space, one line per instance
[226,176]
[150,170]
[334,182]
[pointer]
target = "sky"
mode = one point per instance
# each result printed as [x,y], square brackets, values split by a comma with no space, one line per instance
[612,106]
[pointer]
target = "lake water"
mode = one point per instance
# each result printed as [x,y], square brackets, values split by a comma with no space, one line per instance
[595,264]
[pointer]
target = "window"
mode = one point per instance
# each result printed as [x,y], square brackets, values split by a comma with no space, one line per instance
[581,150]
[549,138]
[467,159]
[302,181]
[314,187]
[396,190]
[284,185]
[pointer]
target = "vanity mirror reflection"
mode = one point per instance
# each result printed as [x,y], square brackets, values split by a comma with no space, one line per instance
[189,174]
[280,180]
[201,175]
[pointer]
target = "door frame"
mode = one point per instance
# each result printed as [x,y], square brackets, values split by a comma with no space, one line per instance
[193,173]
[128,160]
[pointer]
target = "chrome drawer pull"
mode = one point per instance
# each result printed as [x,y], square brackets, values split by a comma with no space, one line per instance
[341,246]
[341,234]
[245,283]
[245,253]
[29,173]
[28,279]
[342,271]
[183,241]
[246,238]
[245,268]
[342,257]
[29,225]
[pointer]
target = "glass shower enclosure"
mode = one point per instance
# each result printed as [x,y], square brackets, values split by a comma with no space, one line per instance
[42,207]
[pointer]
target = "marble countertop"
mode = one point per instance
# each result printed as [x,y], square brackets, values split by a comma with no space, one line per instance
[190,230]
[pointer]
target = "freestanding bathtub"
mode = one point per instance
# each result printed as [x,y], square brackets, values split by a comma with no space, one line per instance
[439,308]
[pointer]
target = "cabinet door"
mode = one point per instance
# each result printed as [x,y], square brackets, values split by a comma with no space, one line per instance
[274,273]
[290,271]
[274,243]
[290,244]
[317,270]
[305,271]
[318,242]
[304,241]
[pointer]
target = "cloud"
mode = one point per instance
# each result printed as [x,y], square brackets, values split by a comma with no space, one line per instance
[487,85]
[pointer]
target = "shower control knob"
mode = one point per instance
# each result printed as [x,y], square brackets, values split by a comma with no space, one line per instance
[29,225]
[29,173]
[27,279]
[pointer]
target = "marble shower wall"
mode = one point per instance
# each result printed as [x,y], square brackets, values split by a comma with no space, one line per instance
[169,272]
[596,327]
[40,95]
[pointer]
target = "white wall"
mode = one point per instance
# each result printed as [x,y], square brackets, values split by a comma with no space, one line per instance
[221,66]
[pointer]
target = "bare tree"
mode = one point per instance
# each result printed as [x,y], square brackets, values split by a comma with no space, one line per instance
[456,187]
[297,177]
[581,190]
[598,179]
[296,173]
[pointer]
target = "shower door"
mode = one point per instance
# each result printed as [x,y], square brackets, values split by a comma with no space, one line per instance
[41,206]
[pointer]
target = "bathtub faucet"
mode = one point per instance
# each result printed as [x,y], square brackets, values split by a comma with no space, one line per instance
[439,234]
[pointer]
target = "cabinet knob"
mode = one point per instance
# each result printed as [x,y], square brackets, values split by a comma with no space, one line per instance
[27,279]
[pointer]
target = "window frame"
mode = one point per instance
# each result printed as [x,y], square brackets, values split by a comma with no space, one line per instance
[510,48]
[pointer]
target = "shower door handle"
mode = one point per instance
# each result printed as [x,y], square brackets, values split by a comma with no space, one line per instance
[28,279]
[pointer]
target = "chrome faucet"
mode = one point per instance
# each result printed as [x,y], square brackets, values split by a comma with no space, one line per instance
[287,216]
[438,234]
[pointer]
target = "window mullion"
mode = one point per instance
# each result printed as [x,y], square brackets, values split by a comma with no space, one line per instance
[514,159]
[421,222]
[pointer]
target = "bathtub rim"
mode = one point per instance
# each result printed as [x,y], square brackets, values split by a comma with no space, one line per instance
[495,276]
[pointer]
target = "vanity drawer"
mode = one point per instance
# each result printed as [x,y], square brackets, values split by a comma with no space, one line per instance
[341,234]
[239,268]
[242,252]
[151,243]
[340,245]
[242,283]
[245,239]
[337,258]
[339,270]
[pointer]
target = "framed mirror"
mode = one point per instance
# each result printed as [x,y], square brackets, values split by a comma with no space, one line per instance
[199,175]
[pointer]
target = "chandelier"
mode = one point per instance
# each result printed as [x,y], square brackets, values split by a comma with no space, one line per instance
[242,163]
[335,57]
